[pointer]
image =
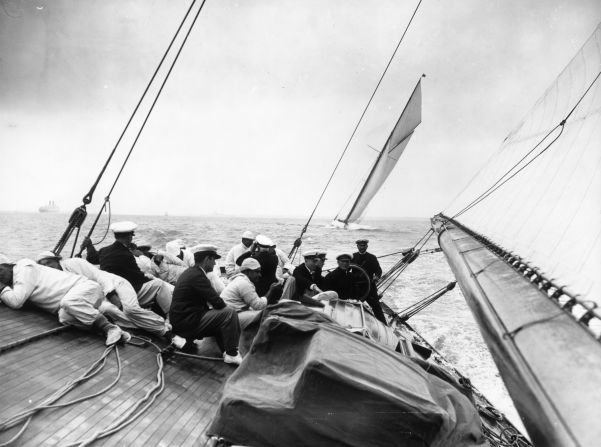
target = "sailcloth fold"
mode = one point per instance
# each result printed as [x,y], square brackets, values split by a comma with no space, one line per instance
[390,154]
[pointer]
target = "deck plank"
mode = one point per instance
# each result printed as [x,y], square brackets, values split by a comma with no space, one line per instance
[34,370]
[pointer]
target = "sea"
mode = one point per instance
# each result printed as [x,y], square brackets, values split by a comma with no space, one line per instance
[447,324]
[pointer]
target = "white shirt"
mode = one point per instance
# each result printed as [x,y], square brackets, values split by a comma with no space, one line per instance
[42,286]
[108,281]
[240,294]
[230,259]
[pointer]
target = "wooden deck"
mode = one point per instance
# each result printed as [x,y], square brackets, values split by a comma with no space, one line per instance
[32,371]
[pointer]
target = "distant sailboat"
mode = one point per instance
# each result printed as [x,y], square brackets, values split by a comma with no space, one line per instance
[51,207]
[387,159]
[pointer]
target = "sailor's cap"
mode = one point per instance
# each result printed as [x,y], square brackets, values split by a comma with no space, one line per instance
[206,248]
[361,241]
[264,241]
[313,254]
[46,255]
[248,235]
[250,264]
[143,243]
[342,256]
[123,227]
[321,253]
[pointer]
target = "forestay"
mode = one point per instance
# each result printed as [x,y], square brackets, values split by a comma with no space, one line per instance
[549,213]
[390,154]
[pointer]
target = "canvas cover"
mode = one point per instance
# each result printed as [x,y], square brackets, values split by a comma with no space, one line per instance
[311,382]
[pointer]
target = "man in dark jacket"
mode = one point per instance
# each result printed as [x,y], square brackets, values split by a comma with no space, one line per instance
[117,258]
[191,315]
[261,250]
[341,279]
[370,264]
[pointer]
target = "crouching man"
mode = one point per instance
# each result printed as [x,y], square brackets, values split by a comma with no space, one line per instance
[73,298]
[241,295]
[118,291]
[190,314]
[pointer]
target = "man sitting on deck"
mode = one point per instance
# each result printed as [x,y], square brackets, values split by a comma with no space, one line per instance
[190,314]
[236,251]
[73,298]
[241,295]
[118,259]
[305,284]
[118,291]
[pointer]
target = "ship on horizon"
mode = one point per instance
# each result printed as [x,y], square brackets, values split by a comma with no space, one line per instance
[51,207]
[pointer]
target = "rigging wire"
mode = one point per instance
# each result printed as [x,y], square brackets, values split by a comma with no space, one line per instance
[141,129]
[80,213]
[298,241]
[506,176]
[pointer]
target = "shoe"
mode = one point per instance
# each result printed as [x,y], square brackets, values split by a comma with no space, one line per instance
[232,359]
[125,336]
[113,335]
[179,342]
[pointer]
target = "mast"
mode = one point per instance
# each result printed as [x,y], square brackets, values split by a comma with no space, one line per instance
[399,137]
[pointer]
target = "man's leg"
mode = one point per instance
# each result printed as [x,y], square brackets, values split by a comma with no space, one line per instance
[222,323]
[374,303]
[156,290]
[142,318]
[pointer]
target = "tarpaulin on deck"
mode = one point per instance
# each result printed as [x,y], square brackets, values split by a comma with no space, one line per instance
[313,383]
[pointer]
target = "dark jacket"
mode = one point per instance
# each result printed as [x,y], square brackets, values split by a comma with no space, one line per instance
[342,282]
[304,278]
[118,259]
[191,296]
[368,262]
[269,265]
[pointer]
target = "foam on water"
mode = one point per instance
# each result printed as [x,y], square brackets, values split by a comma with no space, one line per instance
[447,324]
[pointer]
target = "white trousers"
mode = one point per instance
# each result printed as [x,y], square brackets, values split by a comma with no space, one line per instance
[156,290]
[79,307]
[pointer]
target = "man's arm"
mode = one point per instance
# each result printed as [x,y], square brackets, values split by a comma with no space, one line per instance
[22,288]
[205,289]
[91,253]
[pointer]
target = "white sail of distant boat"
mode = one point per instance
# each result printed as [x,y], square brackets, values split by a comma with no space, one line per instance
[387,159]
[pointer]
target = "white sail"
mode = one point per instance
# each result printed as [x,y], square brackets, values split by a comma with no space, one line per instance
[550,213]
[393,149]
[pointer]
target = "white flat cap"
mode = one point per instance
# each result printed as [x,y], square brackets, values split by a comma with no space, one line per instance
[142,243]
[248,235]
[45,255]
[123,227]
[264,240]
[206,248]
[311,253]
[250,264]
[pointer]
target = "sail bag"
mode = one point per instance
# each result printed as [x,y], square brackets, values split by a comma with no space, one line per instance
[314,383]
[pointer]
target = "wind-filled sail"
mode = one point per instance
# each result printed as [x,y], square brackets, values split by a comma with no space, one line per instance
[390,154]
[549,213]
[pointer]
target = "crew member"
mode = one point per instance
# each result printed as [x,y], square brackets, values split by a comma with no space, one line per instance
[118,291]
[118,259]
[341,279]
[73,298]
[306,284]
[262,251]
[370,264]
[190,314]
[236,251]
[241,294]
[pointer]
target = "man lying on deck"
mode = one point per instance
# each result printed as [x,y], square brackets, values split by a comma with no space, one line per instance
[118,291]
[190,314]
[118,259]
[240,294]
[73,298]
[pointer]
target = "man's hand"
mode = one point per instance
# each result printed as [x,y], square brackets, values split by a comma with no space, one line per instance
[86,243]
[298,242]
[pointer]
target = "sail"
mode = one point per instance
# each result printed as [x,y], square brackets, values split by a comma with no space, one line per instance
[549,213]
[390,154]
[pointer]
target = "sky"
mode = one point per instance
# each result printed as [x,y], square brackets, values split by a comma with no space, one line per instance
[265,96]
